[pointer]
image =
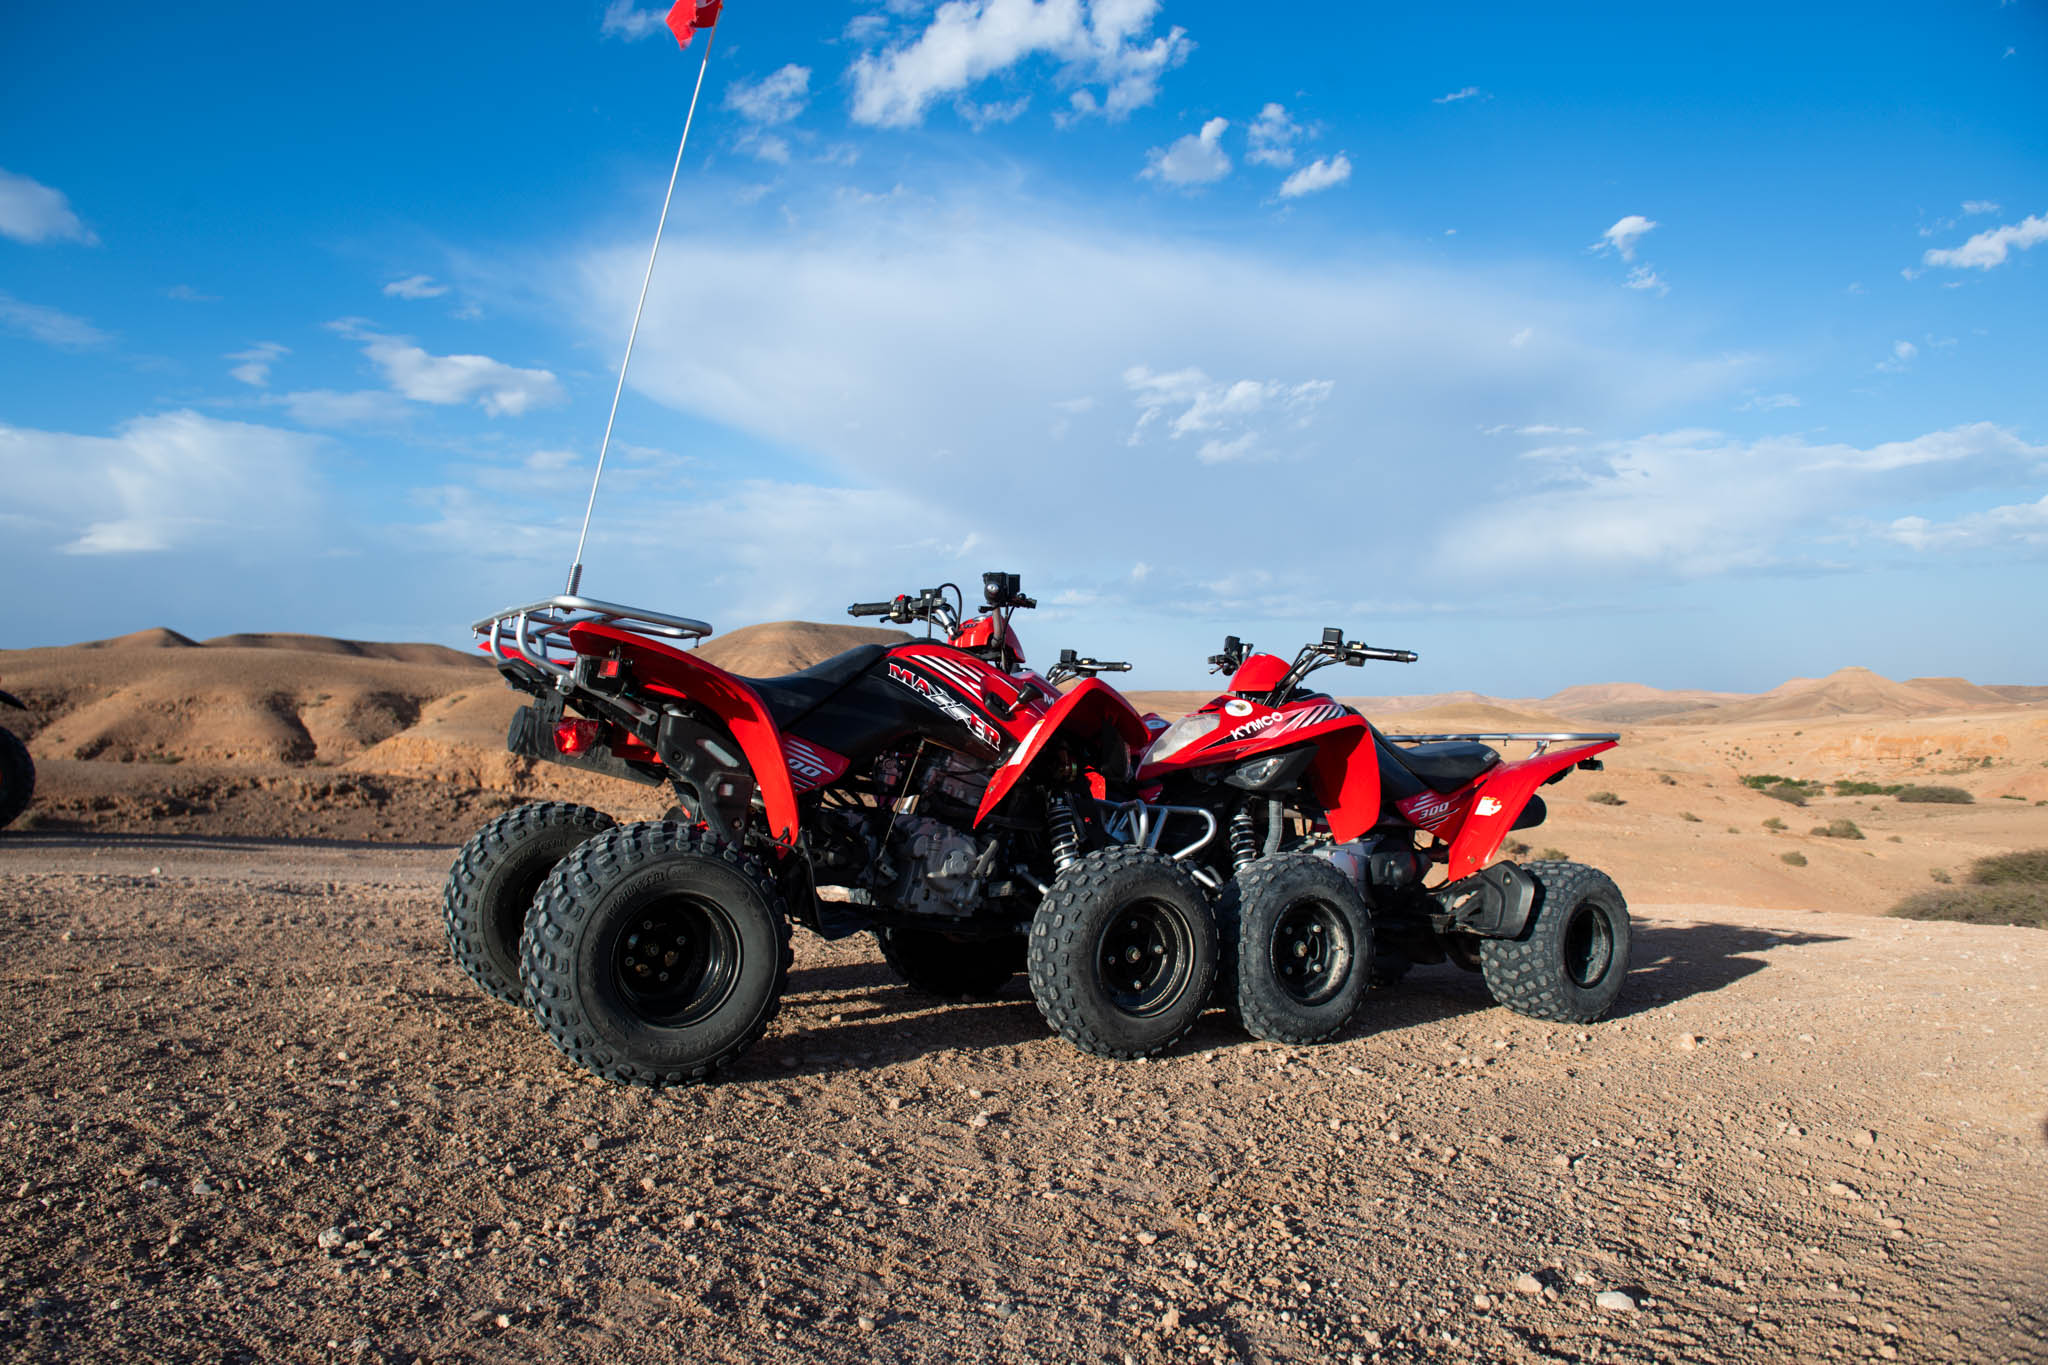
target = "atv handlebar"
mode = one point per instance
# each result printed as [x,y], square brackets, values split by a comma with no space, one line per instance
[871,609]
[1072,665]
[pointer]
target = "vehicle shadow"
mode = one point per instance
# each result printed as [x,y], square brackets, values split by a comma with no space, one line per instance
[74,840]
[860,1015]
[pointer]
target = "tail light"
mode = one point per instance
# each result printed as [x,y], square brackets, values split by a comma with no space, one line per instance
[577,736]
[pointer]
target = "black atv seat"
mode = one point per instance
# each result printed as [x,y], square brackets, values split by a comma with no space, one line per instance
[793,696]
[1444,767]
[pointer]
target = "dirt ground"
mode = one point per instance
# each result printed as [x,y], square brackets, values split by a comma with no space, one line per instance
[253,1112]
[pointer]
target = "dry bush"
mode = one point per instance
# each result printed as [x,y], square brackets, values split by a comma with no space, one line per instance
[1940,874]
[1793,856]
[1688,817]
[1941,796]
[1774,824]
[1606,799]
[2031,866]
[1838,829]
[2006,888]
[1554,855]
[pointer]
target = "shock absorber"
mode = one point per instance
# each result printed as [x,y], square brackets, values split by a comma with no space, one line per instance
[1065,828]
[1244,838]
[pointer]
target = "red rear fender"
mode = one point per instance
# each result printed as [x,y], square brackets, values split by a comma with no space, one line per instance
[1499,798]
[1084,710]
[727,697]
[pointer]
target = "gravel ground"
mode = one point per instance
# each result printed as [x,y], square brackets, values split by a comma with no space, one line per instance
[252,1112]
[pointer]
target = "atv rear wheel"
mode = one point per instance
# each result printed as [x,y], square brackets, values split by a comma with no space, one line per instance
[950,968]
[17,777]
[1569,962]
[1123,953]
[1299,938]
[492,885]
[655,954]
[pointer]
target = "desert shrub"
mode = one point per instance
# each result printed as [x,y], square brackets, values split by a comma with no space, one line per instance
[2008,796]
[1894,839]
[1759,781]
[1554,855]
[1849,788]
[1774,824]
[1788,791]
[1940,874]
[1838,829]
[1667,779]
[2019,903]
[1793,856]
[1606,799]
[1941,796]
[1514,848]
[1688,817]
[2031,866]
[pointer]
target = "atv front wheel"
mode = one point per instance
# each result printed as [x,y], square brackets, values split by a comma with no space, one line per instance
[1299,938]
[493,881]
[949,968]
[1569,962]
[1123,953]
[656,954]
[17,777]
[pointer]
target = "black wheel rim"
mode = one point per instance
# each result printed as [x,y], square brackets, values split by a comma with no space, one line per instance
[1311,951]
[1588,945]
[676,960]
[1146,957]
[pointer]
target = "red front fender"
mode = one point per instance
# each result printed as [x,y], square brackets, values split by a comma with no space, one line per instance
[726,696]
[1087,706]
[1498,802]
[1346,777]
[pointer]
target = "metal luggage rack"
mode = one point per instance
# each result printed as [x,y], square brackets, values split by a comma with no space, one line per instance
[527,633]
[1541,739]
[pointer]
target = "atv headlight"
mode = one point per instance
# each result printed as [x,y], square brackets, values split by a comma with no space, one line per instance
[1180,735]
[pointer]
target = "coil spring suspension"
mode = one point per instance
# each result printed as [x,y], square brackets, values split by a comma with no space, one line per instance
[1066,832]
[1244,838]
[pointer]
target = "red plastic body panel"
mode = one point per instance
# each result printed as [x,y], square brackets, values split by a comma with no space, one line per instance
[730,699]
[1260,673]
[979,632]
[812,766]
[1497,799]
[1345,776]
[943,674]
[1090,703]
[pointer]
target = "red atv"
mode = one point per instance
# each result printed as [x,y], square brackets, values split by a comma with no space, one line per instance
[17,769]
[1334,830]
[954,801]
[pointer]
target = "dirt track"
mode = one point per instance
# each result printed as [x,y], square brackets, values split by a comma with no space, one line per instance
[1804,1135]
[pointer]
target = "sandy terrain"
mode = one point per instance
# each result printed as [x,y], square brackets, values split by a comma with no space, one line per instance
[250,1111]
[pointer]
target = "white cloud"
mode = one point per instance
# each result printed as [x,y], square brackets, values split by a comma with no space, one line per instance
[1270,139]
[499,389]
[32,212]
[2012,525]
[1535,429]
[48,325]
[1699,503]
[776,98]
[173,481]
[1188,403]
[762,146]
[1469,92]
[1624,235]
[622,19]
[1097,44]
[1768,402]
[980,116]
[1318,175]
[328,408]
[256,362]
[185,293]
[1974,206]
[1989,248]
[415,287]
[1903,354]
[1197,159]
[1643,277]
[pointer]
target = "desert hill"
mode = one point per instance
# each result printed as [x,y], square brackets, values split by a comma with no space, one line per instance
[155,638]
[354,649]
[778,647]
[1849,691]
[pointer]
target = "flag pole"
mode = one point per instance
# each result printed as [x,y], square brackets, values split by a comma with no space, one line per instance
[576,569]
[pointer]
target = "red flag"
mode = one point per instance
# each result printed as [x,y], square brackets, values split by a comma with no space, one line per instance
[690,15]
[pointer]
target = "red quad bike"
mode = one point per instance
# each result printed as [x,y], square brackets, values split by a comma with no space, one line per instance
[954,800]
[17,769]
[1334,830]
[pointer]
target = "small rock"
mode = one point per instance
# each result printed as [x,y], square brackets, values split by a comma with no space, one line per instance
[1169,1321]
[1146,1239]
[201,1187]
[1863,1137]
[1616,1301]
[332,1239]
[1688,1042]
[592,1142]
[1372,1340]
[1526,1283]
[503,1320]
[1482,1301]
[1836,1187]
[865,1323]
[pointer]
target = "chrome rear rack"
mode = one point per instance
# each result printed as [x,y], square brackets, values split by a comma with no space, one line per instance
[528,633]
[1541,739]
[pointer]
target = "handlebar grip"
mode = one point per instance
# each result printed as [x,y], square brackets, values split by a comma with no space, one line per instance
[1114,668]
[871,609]
[1392,656]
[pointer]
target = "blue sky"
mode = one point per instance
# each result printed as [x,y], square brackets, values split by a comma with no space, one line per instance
[1562,344]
